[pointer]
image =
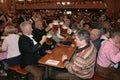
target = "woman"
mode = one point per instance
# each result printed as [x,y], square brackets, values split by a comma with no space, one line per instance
[10,45]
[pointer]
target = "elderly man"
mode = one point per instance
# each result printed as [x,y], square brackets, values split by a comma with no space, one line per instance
[29,49]
[81,66]
[38,32]
[108,56]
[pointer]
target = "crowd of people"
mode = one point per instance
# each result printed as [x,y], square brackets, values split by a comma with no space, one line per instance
[97,40]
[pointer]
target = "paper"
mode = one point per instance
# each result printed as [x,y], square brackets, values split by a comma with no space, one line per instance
[52,62]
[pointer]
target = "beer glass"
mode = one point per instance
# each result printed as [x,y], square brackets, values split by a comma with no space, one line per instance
[55,27]
[61,24]
[49,39]
[63,31]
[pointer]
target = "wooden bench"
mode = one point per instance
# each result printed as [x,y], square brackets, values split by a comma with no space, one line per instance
[18,69]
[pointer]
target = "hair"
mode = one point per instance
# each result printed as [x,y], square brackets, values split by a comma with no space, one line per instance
[115,32]
[89,24]
[107,31]
[84,35]
[1,22]
[10,30]
[24,24]
[105,23]
[66,20]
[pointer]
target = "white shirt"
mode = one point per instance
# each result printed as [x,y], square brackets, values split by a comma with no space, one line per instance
[10,44]
[31,37]
[103,37]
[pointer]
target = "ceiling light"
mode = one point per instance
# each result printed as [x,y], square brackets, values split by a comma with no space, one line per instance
[21,0]
[58,2]
[68,3]
[1,1]
[63,3]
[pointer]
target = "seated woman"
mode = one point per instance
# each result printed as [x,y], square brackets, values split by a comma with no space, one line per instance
[10,45]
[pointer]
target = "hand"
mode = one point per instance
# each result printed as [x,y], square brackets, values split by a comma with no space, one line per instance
[43,39]
[64,57]
[48,51]
[58,44]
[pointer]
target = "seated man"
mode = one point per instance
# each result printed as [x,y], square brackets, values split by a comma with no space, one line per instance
[81,65]
[29,49]
[108,56]
[38,32]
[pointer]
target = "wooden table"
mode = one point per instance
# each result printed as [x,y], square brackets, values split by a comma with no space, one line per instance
[57,55]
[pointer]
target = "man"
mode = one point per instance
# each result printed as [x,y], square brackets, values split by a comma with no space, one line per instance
[81,66]
[29,48]
[38,32]
[108,56]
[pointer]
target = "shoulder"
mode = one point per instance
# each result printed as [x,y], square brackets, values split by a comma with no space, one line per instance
[23,37]
[91,50]
[109,43]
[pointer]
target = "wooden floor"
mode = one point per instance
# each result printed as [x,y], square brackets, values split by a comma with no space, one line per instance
[14,76]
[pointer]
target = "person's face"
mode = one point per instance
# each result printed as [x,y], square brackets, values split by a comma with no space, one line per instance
[86,27]
[39,25]
[67,22]
[28,29]
[108,35]
[117,41]
[79,42]
[107,26]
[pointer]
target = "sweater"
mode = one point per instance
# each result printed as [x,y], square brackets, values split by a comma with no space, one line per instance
[82,64]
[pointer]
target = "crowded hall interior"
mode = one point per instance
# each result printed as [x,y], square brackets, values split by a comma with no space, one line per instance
[59,39]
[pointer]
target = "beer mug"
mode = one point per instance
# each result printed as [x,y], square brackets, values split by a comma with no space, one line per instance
[55,26]
[49,39]
[61,24]
[64,31]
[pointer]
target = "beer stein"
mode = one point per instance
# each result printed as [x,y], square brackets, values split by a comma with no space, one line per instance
[49,39]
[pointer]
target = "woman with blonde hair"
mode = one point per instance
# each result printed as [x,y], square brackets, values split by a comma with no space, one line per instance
[10,29]
[10,46]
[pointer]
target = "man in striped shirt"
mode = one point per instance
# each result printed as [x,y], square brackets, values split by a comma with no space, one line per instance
[81,65]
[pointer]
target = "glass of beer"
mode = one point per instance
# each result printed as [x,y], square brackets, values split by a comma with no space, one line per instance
[55,26]
[61,24]
[49,39]
[63,31]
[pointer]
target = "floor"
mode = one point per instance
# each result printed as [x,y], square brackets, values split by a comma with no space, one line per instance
[12,76]
[15,76]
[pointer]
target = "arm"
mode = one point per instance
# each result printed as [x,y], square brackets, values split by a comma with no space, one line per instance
[112,55]
[70,66]
[26,46]
[111,52]
[4,45]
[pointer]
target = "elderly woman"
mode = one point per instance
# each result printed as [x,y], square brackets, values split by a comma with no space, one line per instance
[10,46]
[13,56]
